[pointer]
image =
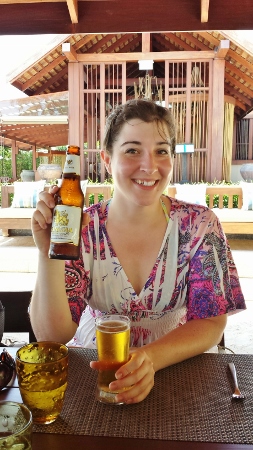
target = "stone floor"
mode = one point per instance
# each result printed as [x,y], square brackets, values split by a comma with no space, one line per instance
[18,266]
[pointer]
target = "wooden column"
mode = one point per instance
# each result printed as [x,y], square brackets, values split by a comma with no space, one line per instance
[214,163]
[34,157]
[217,120]
[250,152]
[145,42]
[76,112]
[13,160]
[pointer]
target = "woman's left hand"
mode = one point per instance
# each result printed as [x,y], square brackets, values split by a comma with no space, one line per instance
[137,375]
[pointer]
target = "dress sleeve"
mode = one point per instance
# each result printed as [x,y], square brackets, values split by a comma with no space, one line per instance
[78,287]
[213,282]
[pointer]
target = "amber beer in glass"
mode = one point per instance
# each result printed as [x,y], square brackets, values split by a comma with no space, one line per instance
[67,215]
[113,336]
[42,371]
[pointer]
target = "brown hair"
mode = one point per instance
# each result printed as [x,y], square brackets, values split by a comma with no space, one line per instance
[146,110]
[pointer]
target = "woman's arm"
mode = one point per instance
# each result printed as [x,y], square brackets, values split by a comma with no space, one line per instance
[185,341]
[49,310]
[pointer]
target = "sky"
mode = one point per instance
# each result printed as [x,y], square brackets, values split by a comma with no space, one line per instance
[13,51]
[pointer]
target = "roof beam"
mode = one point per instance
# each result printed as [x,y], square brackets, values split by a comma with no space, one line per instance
[117,57]
[39,75]
[178,41]
[239,84]
[146,42]
[72,5]
[222,49]
[73,10]
[231,68]
[30,120]
[196,42]
[69,52]
[44,17]
[236,94]
[204,10]
[52,80]
[231,53]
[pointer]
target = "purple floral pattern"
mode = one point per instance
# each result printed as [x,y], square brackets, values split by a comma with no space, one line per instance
[194,275]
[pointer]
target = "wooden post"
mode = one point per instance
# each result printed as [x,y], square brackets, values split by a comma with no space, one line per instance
[76,110]
[215,154]
[13,160]
[145,42]
[34,157]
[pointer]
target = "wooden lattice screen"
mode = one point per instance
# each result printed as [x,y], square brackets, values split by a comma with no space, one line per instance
[243,143]
[187,88]
[188,92]
[104,88]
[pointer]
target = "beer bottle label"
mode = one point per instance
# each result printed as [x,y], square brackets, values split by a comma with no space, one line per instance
[72,164]
[66,224]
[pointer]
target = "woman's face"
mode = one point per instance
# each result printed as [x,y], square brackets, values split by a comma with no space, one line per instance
[141,162]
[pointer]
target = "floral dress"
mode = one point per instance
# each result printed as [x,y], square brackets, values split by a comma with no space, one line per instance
[194,277]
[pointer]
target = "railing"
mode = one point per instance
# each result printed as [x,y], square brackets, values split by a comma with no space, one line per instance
[213,191]
[96,190]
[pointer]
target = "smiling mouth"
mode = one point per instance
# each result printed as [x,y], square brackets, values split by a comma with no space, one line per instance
[146,183]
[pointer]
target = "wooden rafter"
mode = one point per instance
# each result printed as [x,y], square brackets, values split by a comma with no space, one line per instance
[204,10]
[222,49]
[72,5]
[73,10]
[69,51]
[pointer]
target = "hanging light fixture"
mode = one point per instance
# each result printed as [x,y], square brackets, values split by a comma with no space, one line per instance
[144,90]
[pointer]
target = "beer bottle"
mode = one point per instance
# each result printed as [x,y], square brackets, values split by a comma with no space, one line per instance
[67,214]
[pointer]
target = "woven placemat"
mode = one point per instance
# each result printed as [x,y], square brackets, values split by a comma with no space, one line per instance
[190,401]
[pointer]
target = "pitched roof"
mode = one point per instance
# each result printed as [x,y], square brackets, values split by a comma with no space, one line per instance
[47,72]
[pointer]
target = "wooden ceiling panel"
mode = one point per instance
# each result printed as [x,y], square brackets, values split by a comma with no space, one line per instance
[37,135]
[110,16]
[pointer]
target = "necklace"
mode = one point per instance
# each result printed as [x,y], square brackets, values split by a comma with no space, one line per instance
[165,211]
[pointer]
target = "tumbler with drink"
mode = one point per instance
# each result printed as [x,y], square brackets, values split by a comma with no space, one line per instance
[42,369]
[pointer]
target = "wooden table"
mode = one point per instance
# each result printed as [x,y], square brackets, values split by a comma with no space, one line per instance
[57,441]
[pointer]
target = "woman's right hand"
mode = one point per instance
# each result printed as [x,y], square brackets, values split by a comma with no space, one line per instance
[42,219]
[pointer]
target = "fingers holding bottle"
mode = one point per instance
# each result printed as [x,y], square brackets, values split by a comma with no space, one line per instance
[42,218]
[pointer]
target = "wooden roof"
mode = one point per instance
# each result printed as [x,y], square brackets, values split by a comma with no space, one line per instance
[113,16]
[47,73]
[42,135]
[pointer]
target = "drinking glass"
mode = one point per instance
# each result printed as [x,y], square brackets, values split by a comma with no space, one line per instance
[113,337]
[15,426]
[42,369]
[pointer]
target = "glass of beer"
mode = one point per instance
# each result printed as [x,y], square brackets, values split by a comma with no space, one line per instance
[42,369]
[15,426]
[113,337]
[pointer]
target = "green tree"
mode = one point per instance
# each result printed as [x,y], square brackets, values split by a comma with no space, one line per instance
[23,161]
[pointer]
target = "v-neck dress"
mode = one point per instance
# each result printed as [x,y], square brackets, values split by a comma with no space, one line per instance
[194,276]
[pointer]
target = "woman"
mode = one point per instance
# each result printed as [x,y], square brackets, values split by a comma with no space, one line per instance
[164,263]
